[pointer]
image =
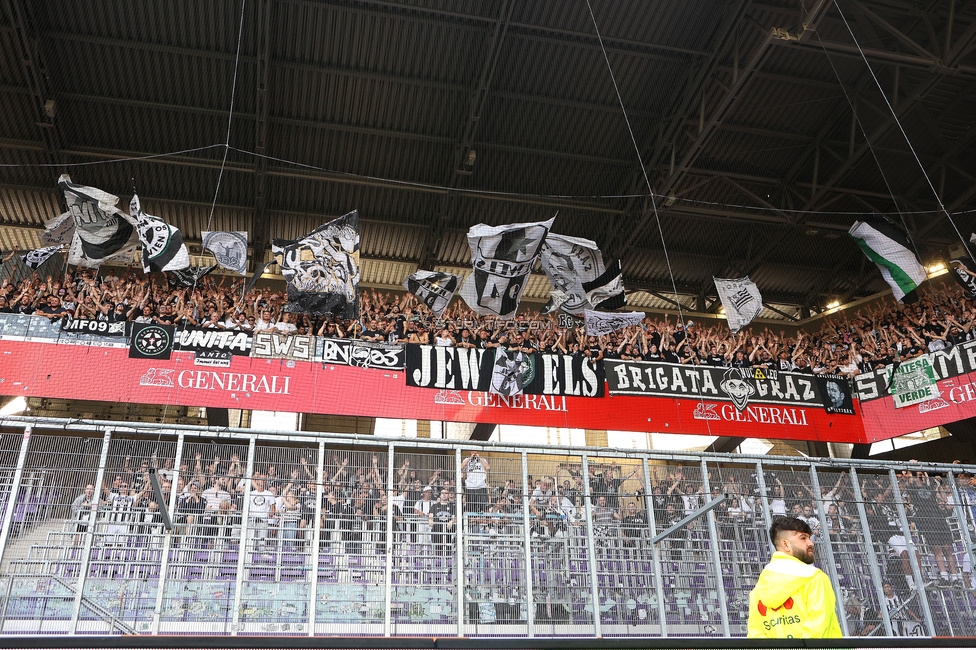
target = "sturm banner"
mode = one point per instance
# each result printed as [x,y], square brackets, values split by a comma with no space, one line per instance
[473,369]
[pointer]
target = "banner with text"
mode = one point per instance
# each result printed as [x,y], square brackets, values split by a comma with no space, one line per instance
[44,369]
[472,369]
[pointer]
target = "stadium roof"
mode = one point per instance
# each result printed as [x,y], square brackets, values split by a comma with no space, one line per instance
[432,115]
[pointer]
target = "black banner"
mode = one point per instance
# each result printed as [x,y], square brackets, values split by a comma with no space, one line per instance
[88,326]
[741,386]
[363,354]
[472,369]
[836,393]
[195,339]
[151,341]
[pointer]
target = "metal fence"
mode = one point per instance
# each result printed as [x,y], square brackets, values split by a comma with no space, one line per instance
[280,534]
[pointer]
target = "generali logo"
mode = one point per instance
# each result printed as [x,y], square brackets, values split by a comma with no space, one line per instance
[208,380]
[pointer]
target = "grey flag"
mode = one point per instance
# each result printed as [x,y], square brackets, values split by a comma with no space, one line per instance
[741,299]
[229,248]
[502,258]
[569,262]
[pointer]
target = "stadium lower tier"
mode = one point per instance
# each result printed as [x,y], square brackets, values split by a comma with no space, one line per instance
[340,535]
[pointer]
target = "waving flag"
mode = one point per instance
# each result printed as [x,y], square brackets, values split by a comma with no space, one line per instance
[890,249]
[741,300]
[101,230]
[569,262]
[435,289]
[189,276]
[228,247]
[599,323]
[35,258]
[502,257]
[322,268]
[607,291]
[162,244]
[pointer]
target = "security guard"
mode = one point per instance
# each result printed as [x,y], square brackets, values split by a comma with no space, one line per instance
[792,599]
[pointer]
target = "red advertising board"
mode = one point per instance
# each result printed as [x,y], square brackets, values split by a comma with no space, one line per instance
[957,402]
[107,374]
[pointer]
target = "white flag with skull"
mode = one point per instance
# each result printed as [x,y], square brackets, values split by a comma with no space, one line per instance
[569,262]
[502,258]
[741,300]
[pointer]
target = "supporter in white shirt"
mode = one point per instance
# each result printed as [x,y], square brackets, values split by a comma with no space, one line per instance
[285,326]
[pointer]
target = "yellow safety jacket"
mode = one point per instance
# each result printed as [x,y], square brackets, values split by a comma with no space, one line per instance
[792,600]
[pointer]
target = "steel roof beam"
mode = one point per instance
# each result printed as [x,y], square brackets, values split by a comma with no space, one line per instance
[31,52]
[722,110]
[461,162]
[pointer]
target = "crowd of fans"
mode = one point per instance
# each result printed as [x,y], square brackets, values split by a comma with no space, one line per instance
[845,344]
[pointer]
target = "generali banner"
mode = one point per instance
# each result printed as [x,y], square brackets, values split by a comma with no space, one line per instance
[44,369]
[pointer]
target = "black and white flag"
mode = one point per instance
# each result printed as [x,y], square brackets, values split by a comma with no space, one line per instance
[502,258]
[964,271]
[322,268]
[162,244]
[607,291]
[229,248]
[101,230]
[512,371]
[599,323]
[741,300]
[569,262]
[189,276]
[435,289]
[35,258]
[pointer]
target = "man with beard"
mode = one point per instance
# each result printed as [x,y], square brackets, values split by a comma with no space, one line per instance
[792,599]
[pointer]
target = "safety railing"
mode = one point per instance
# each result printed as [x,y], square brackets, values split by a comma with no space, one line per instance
[300,534]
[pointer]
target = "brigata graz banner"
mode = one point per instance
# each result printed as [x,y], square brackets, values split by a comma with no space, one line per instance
[955,398]
[471,369]
[740,386]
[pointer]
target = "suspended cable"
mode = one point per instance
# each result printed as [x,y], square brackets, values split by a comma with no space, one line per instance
[901,128]
[114,160]
[867,141]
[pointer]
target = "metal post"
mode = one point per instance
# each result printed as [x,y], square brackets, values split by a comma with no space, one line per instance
[912,554]
[85,559]
[723,608]
[527,541]
[242,545]
[313,555]
[831,564]
[764,500]
[168,537]
[390,537]
[459,541]
[11,509]
[869,551]
[591,548]
[967,538]
[655,554]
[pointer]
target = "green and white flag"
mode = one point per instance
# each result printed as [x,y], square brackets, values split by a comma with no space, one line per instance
[913,382]
[888,247]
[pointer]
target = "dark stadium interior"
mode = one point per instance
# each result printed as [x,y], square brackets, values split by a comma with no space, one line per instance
[741,111]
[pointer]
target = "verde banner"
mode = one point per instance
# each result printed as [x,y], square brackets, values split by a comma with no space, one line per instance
[913,382]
